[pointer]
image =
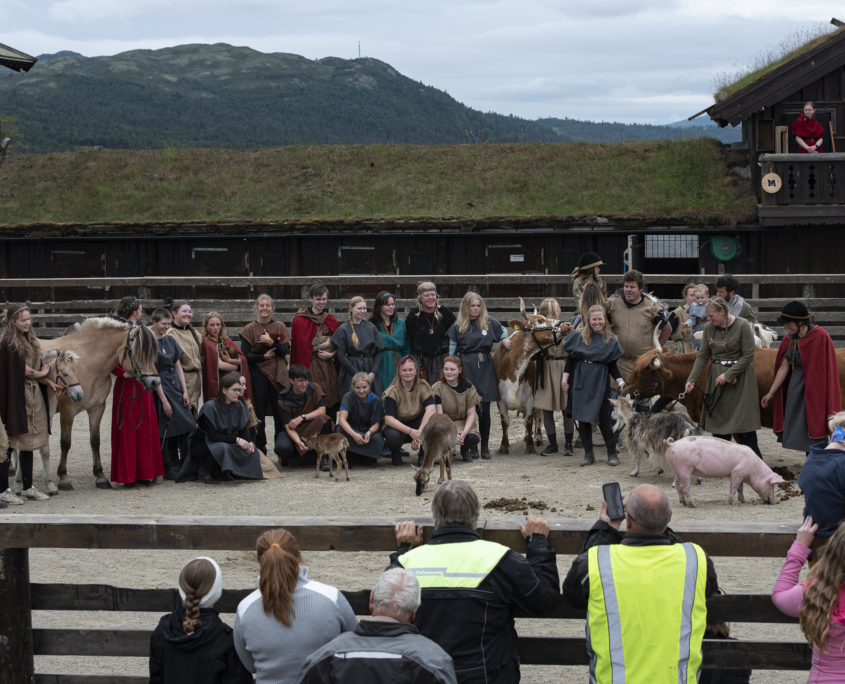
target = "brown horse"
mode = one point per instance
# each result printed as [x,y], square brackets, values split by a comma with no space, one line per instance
[103,343]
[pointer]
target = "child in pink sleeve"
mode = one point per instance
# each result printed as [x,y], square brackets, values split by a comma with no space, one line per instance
[788,596]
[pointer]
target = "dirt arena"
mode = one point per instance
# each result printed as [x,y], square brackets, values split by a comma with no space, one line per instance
[384,490]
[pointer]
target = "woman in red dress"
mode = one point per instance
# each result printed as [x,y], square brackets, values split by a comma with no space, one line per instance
[808,132]
[216,351]
[135,449]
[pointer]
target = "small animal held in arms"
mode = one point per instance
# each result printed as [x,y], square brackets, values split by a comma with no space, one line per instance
[438,441]
[334,446]
[262,348]
[647,432]
[231,352]
[714,457]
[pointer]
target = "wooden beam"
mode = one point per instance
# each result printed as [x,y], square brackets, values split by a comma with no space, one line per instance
[344,533]
[16,647]
[59,678]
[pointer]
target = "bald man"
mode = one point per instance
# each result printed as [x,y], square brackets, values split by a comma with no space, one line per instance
[646,587]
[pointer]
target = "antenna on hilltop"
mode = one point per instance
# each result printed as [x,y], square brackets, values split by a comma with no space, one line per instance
[359,49]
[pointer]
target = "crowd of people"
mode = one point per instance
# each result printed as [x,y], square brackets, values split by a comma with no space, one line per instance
[377,379]
[443,611]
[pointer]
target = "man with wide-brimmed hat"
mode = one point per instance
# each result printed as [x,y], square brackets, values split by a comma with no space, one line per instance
[588,269]
[805,390]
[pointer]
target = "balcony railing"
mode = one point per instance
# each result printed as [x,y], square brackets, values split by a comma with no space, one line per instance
[802,189]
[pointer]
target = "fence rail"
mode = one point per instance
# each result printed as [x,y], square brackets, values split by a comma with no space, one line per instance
[19,533]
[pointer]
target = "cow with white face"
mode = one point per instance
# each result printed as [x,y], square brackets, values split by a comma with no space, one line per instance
[516,370]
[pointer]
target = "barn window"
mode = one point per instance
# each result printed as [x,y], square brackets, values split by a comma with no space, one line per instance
[671,246]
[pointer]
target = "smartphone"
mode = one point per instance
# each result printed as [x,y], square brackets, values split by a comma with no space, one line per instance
[613,496]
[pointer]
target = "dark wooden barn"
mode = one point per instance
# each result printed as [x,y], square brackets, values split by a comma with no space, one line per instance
[811,188]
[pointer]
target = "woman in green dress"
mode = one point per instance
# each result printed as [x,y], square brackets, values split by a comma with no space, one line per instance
[732,405]
[393,332]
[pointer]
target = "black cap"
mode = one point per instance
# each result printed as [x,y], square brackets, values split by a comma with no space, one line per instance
[794,312]
[587,262]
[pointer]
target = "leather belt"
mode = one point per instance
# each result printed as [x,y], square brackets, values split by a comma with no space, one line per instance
[726,363]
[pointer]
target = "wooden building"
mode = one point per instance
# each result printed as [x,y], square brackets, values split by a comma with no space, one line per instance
[15,59]
[811,188]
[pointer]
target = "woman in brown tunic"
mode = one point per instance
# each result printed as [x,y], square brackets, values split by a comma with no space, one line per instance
[302,406]
[455,396]
[23,400]
[190,341]
[268,370]
[408,405]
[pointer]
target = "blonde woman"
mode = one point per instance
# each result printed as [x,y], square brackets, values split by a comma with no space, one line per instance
[548,394]
[408,406]
[471,338]
[359,348]
[592,357]
[427,325]
[268,369]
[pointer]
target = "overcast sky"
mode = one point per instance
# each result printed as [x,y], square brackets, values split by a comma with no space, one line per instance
[648,61]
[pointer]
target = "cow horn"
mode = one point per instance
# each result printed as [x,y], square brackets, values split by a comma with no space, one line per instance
[522,309]
[656,338]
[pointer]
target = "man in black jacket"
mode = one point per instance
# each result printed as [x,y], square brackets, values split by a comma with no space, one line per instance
[471,588]
[384,650]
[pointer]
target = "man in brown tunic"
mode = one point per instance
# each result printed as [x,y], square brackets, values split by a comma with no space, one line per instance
[633,316]
[302,406]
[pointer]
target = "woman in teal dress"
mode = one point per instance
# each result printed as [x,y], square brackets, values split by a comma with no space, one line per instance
[393,332]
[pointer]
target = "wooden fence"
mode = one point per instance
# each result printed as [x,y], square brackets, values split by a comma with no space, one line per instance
[18,598]
[54,315]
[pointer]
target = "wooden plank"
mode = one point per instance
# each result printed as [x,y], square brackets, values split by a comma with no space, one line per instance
[123,643]
[16,647]
[59,678]
[343,533]
[103,597]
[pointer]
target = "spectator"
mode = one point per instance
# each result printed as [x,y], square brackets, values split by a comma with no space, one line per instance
[485,582]
[192,645]
[726,287]
[822,480]
[385,650]
[287,617]
[609,577]
[819,602]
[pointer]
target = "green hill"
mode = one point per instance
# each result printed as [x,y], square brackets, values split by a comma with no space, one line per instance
[223,96]
[605,131]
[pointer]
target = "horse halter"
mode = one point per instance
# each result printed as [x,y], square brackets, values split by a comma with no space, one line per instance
[127,350]
[541,356]
[60,379]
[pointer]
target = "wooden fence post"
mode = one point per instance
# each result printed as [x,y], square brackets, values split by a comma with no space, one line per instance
[17,665]
[809,291]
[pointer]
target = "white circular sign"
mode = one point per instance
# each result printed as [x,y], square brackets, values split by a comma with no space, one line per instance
[772,183]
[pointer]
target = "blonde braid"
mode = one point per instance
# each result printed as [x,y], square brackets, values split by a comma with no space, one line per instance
[352,303]
[192,612]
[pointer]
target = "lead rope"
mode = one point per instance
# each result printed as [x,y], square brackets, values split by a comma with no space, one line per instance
[132,399]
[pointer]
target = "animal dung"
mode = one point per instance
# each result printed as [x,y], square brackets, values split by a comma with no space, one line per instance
[784,472]
[510,505]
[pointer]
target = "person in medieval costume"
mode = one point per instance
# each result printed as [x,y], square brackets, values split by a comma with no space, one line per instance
[408,406]
[190,342]
[303,409]
[592,356]
[805,390]
[455,397]
[264,343]
[220,356]
[393,333]
[359,348]
[359,419]
[427,325]
[808,131]
[587,270]
[311,345]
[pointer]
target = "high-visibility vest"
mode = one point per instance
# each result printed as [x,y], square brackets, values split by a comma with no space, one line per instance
[646,614]
[459,565]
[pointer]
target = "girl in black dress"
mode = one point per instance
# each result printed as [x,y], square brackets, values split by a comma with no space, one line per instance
[359,348]
[359,419]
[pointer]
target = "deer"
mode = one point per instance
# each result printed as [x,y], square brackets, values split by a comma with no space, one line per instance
[438,441]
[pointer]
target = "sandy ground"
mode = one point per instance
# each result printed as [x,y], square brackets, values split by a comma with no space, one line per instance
[385,491]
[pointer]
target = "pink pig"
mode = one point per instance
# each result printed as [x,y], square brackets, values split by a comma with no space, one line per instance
[714,457]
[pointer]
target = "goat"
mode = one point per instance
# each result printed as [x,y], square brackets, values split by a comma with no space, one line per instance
[334,446]
[438,440]
[647,431]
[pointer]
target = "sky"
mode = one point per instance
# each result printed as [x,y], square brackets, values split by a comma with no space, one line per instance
[636,61]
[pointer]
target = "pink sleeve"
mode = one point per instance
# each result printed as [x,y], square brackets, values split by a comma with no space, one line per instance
[788,593]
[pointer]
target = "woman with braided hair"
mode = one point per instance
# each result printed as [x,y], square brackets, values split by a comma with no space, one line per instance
[129,309]
[219,356]
[359,348]
[732,405]
[192,645]
[288,617]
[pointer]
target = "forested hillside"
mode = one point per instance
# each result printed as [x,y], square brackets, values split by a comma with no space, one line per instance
[573,130]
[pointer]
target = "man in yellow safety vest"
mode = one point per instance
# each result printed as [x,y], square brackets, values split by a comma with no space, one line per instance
[472,587]
[645,596]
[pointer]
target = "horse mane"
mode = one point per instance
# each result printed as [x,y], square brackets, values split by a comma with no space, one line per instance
[666,359]
[100,323]
[145,346]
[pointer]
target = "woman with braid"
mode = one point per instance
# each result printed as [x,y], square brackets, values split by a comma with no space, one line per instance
[359,348]
[192,645]
[288,617]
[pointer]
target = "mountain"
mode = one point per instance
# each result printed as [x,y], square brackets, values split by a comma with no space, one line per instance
[43,59]
[592,131]
[235,97]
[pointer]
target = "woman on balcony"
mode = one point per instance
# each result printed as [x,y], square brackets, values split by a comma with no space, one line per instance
[808,132]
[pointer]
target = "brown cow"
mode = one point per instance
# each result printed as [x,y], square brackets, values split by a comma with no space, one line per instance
[661,374]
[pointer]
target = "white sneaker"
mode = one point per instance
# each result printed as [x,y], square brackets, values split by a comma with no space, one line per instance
[34,495]
[9,498]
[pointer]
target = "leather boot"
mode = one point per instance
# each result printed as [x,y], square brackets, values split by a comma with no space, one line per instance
[567,447]
[465,454]
[587,438]
[396,458]
[485,451]
[205,475]
[611,441]
[169,474]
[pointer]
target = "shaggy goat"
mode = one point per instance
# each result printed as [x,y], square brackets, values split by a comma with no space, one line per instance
[439,437]
[334,446]
[647,431]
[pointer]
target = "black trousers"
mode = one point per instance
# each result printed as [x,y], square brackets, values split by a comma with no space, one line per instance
[585,430]
[24,463]
[263,393]
[393,439]
[748,439]
[484,422]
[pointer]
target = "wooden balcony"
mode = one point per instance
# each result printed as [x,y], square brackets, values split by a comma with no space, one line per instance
[812,189]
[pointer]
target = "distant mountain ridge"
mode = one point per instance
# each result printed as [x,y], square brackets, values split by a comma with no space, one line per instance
[592,131]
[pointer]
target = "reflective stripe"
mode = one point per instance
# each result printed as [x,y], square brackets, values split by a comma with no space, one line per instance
[614,619]
[690,578]
[461,565]
[441,572]
[379,655]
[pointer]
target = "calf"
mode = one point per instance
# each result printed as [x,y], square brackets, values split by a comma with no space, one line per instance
[438,440]
[334,446]
[714,457]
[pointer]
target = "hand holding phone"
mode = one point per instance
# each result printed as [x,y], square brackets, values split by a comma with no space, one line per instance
[613,498]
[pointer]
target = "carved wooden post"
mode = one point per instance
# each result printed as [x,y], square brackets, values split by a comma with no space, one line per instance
[809,291]
[17,665]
